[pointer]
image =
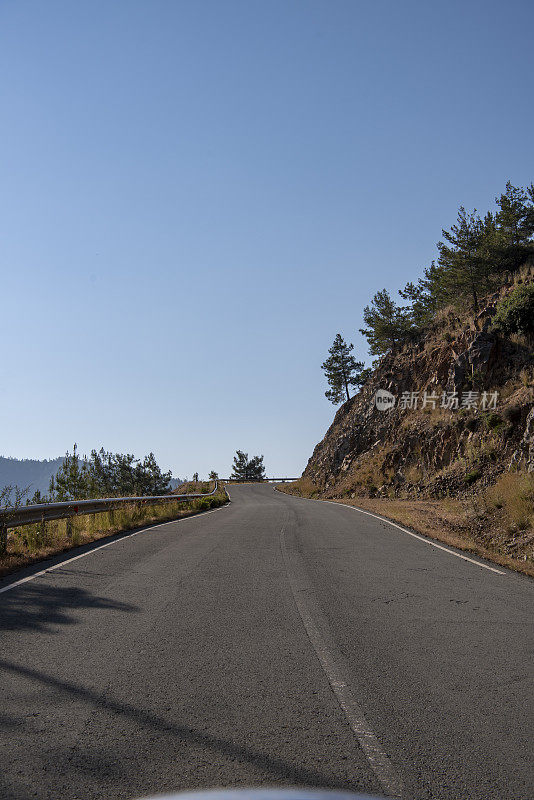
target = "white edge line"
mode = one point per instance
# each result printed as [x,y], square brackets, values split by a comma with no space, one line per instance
[410,533]
[101,547]
[368,741]
[417,536]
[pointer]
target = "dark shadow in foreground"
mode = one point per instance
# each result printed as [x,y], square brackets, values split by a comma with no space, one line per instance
[280,770]
[41,608]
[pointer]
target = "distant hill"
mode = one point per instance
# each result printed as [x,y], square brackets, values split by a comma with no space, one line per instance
[29,472]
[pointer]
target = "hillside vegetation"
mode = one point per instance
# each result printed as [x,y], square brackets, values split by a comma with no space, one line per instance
[102,474]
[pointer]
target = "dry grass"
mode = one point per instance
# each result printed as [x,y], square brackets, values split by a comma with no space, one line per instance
[413,474]
[31,543]
[304,487]
[367,472]
[446,318]
[514,493]
[526,377]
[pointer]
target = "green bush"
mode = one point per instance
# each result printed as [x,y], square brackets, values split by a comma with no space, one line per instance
[205,503]
[494,421]
[202,505]
[515,313]
[473,476]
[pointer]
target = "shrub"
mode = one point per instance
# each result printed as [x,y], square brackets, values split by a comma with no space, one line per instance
[494,421]
[472,476]
[515,313]
[203,504]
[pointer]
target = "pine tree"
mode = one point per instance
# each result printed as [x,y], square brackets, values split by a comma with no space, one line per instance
[213,475]
[529,216]
[434,286]
[103,480]
[71,481]
[514,228]
[244,469]
[489,248]
[387,324]
[463,268]
[342,371]
[154,481]
[255,468]
[123,475]
[239,467]
[515,215]
[423,302]
[473,256]
[129,483]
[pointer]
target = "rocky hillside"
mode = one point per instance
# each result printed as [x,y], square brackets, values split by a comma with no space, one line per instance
[425,446]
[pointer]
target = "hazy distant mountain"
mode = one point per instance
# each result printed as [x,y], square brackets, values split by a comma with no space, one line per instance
[29,472]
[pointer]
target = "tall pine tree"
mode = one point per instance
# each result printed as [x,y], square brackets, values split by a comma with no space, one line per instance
[71,481]
[514,228]
[387,324]
[460,258]
[342,371]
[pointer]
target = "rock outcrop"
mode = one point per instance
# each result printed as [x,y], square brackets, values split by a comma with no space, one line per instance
[464,412]
[524,455]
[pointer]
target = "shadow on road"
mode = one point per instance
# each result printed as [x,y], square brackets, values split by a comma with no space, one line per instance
[280,770]
[42,608]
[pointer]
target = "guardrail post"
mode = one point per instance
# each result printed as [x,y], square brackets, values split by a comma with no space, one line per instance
[3,539]
[68,527]
[137,511]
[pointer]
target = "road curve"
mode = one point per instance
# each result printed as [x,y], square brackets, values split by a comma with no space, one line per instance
[274,641]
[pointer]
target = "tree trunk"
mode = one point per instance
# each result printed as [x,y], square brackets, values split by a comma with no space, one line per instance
[345,382]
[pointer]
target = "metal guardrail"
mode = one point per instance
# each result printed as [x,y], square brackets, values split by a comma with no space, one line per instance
[26,515]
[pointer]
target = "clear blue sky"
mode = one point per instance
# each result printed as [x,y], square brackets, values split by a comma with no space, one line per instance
[197,196]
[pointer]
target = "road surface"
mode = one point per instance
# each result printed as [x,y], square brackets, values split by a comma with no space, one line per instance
[274,641]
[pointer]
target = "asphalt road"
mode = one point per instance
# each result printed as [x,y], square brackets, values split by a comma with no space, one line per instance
[273,641]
